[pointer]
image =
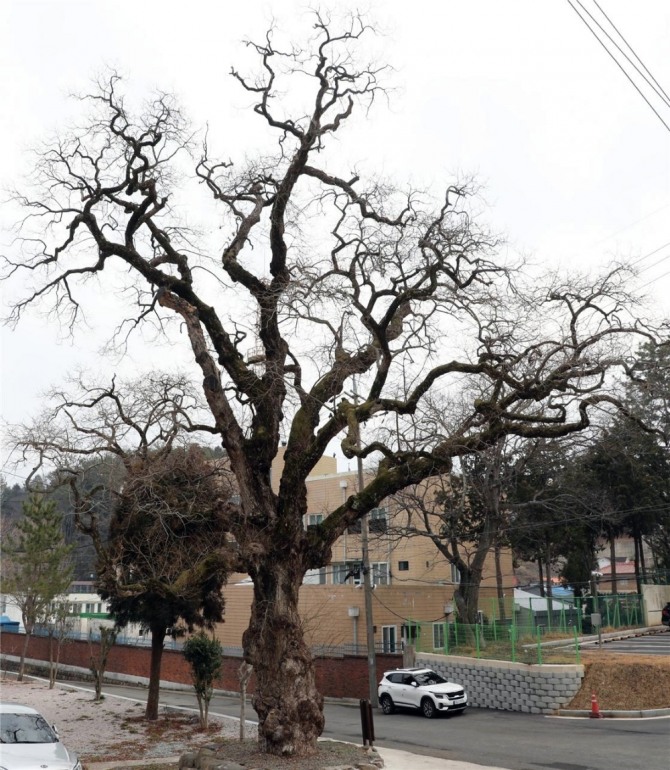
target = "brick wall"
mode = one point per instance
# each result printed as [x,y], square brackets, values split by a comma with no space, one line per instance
[338,677]
[490,684]
[509,686]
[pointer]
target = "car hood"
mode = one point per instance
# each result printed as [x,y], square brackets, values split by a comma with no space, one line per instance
[448,688]
[36,756]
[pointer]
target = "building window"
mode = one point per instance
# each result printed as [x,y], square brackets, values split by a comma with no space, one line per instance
[410,632]
[380,573]
[455,574]
[389,638]
[403,566]
[438,636]
[378,520]
[347,571]
[314,519]
[315,577]
[351,571]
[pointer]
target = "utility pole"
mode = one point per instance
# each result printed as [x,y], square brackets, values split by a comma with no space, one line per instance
[367,580]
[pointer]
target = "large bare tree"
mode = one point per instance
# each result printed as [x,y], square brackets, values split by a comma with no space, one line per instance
[319,277]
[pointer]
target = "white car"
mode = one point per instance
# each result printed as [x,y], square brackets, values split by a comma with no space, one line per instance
[420,688]
[27,742]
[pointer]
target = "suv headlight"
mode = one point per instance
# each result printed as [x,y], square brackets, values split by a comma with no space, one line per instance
[438,694]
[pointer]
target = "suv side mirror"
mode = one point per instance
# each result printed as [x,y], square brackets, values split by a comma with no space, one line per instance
[415,684]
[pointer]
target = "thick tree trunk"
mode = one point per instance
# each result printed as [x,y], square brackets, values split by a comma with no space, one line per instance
[289,707]
[466,596]
[157,639]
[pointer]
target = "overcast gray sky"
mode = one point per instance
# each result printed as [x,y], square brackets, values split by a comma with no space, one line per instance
[575,166]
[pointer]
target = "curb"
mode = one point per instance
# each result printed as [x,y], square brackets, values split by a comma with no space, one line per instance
[614,714]
[120,764]
[611,636]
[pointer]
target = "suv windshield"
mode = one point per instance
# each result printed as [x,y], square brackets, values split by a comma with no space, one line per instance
[25,728]
[429,677]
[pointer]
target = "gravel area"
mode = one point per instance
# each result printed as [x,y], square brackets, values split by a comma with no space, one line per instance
[114,729]
[113,735]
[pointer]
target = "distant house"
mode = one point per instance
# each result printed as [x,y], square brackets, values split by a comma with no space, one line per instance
[625,576]
[530,609]
[86,607]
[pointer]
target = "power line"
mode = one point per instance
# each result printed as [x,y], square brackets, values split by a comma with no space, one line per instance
[649,254]
[654,85]
[646,69]
[619,65]
[653,280]
[653,265]
[632,224]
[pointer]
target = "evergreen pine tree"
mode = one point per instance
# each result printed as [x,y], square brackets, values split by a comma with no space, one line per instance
[37,564]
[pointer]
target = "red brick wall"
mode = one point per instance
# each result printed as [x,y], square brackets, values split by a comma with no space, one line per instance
[345,677]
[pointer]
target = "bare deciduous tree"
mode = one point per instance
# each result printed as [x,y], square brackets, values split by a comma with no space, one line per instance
[98,654]
[164,562]
[319,277]
[59,624]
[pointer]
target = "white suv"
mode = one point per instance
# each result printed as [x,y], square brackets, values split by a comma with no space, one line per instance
[420,688]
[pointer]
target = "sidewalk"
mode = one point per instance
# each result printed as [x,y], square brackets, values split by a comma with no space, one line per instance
[404,760]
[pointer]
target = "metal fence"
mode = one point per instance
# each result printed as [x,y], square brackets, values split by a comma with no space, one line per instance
[546,633]
[564,614]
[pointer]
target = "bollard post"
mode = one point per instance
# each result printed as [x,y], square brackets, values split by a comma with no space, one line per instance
[365,725]
[371,724]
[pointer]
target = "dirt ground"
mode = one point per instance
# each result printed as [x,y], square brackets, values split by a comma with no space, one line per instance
[622,682]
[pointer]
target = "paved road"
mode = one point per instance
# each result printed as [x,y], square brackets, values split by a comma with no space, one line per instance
[486,737]
[651,644]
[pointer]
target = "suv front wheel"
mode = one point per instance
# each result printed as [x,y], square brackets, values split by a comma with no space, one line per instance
[387,704]
[428,708]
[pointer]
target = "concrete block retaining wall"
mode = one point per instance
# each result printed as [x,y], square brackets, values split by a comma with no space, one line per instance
[508,686]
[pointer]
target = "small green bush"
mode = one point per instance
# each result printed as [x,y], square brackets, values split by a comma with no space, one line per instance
[205,657]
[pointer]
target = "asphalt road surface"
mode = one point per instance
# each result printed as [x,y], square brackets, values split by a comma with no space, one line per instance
[486,737]
[650,644]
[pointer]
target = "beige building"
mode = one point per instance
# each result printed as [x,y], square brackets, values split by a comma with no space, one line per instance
[413,581]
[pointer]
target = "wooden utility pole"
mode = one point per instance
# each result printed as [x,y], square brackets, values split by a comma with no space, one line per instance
[367,582]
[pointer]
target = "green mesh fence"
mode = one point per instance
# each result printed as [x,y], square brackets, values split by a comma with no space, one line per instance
[546,633]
